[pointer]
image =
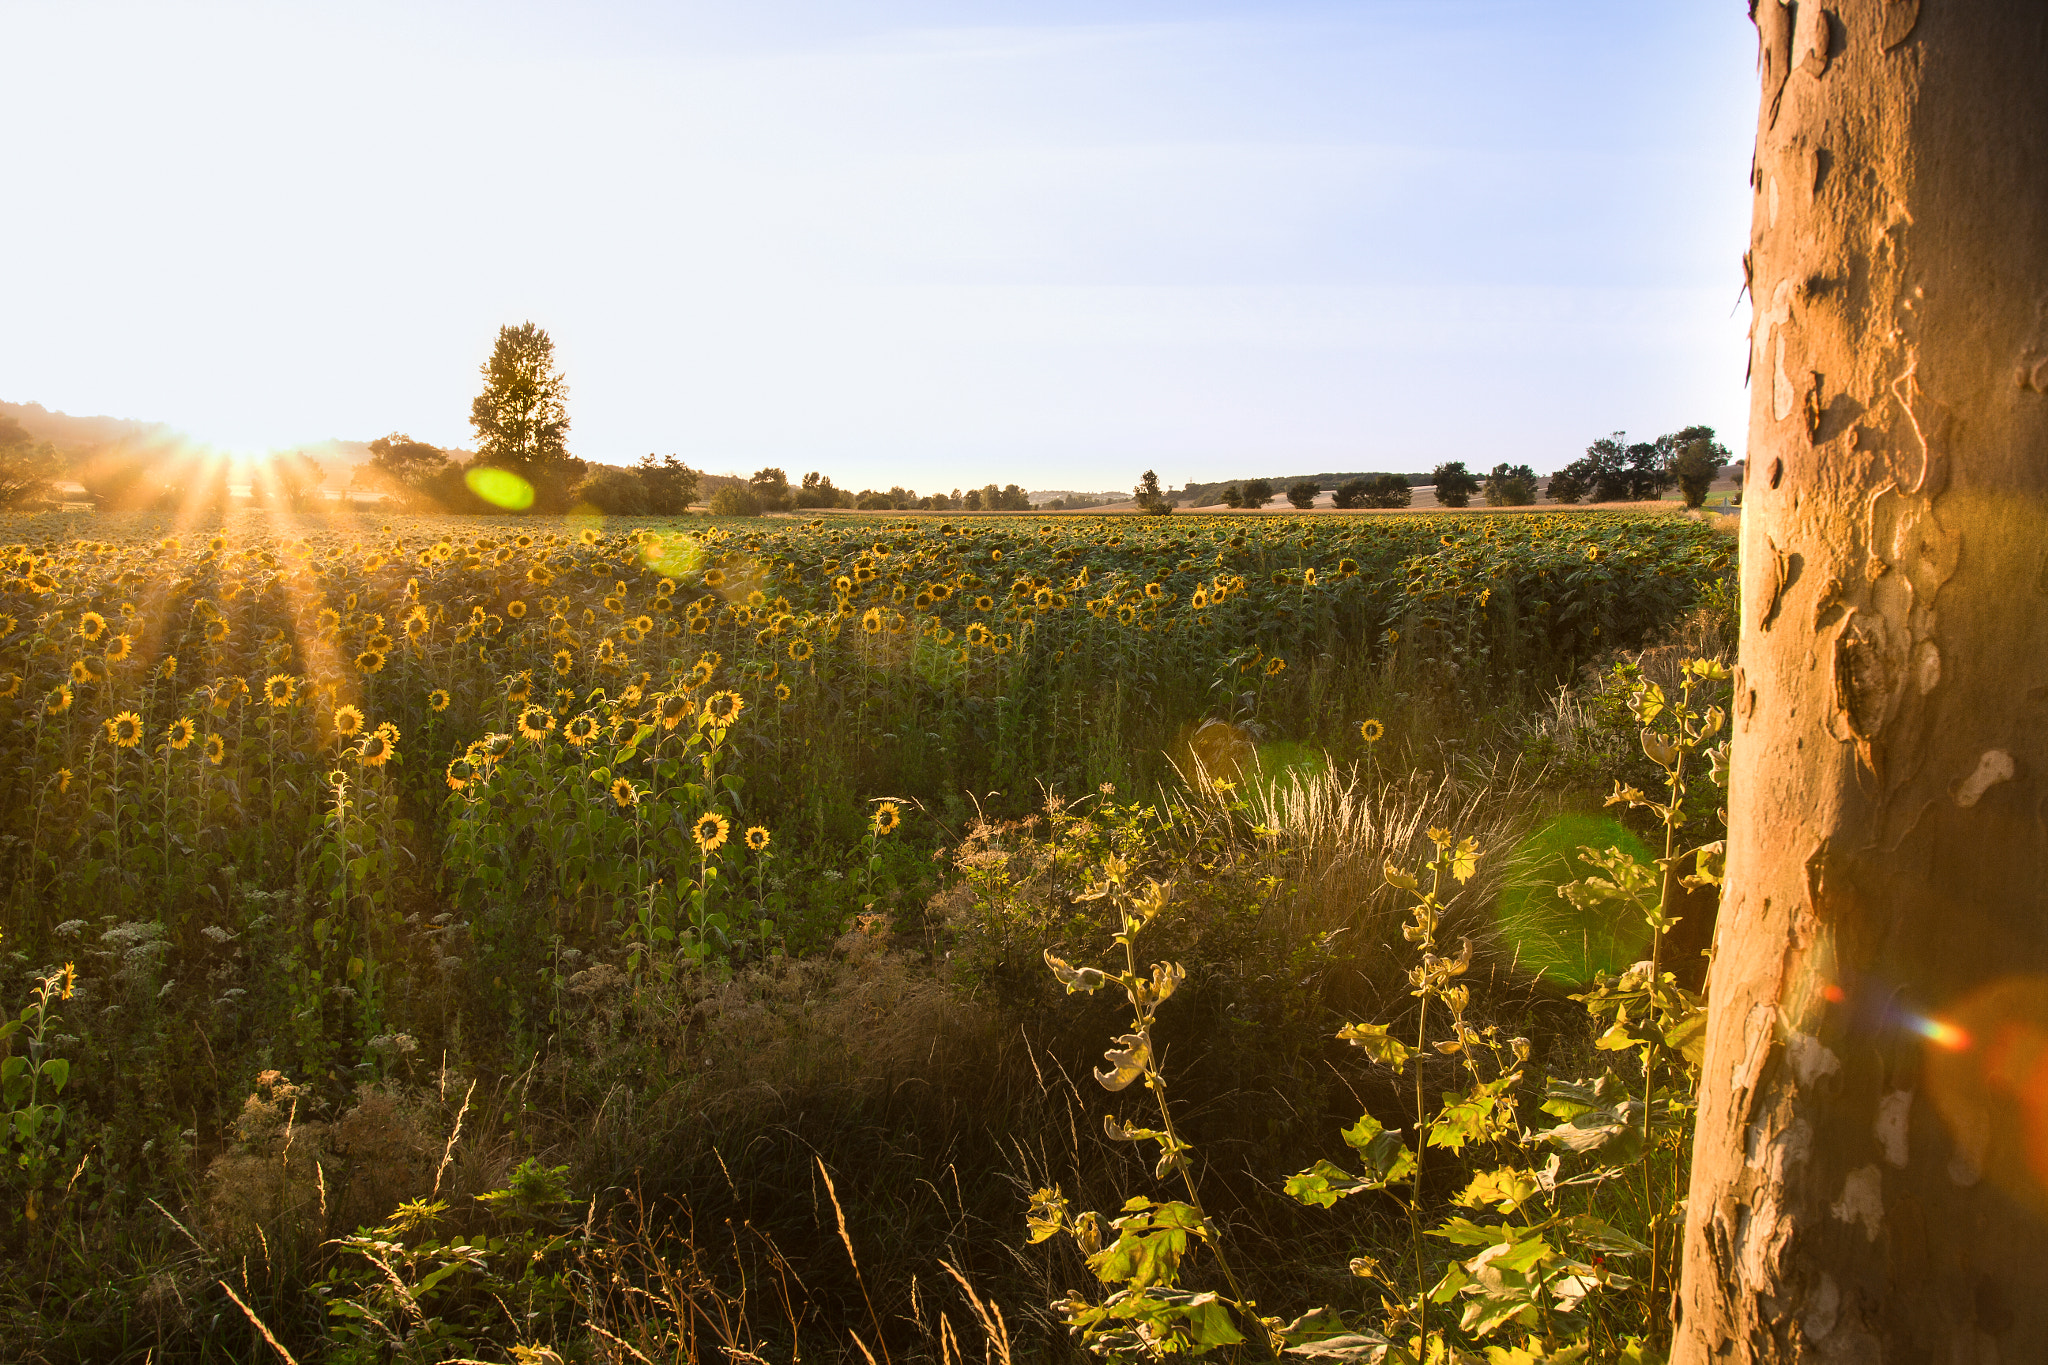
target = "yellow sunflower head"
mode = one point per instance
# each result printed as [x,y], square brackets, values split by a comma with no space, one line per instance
[710,831]
[516,609]
[782,691]
[438,699]
[215,749]
[535,722]
[280,689]
[1372,731]
[348,721]
[671,709]
[183,731]
[370,661]
[757,839]
[625,794]
[1275,667]
[375,750]
[580,731]
[91,626]
[461,772]
[216,631]
[125,729]
[888,815]
[59,699]
[722,708]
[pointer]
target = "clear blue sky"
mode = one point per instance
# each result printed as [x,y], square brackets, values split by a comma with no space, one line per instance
[899,242]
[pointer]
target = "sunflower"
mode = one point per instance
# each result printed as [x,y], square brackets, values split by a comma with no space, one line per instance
[710,831]
[375,750]
[125,729]
[91,626]
[722,708]
[977,634]
[782,691]
[984,603]
[216,631]
[1042,599]
[1372,731]
[438,699]
[800,649]
[535,722]
[871,620]
[643,623]
[169,667]
[10,685]
[631,633]
[624,793]
[702,671]
[1200,599]
[348,720]
[1275,667]
[215,748]
[757,839]
[672,708]
[490,748]
[328,619]
[630,697]
[417,627]
[280,689]
[516,609]
[81,672]
[183,730]
[565,701]
[886,818]
[580,731]
[700,625]
[370,661]
[714,578]
[518,687]
[1126,614]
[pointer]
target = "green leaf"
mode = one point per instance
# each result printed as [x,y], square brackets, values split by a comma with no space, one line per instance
[1598,1235]
[1367,1346]
[1465,1232]
[1506,1189]
[1378,1043]
[59,1072]
[1689,1036]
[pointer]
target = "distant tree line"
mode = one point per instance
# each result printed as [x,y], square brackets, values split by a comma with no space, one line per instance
[1614,470]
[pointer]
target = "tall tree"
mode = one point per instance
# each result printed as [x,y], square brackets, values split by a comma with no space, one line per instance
[521,417]
[1455,484]
[1870,1180]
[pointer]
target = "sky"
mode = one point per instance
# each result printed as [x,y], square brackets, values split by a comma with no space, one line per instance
[900,242]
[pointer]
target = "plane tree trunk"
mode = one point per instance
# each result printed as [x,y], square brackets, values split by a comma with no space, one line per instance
[1868,1181]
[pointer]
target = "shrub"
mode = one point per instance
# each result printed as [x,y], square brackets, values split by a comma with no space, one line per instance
[735,500]
[1303,494]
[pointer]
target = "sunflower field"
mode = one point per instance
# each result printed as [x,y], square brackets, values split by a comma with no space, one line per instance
[298,793]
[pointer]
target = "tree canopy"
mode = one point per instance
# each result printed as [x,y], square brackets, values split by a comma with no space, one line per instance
[522,418]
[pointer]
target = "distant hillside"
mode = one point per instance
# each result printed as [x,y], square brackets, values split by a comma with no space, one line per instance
[1209,494]
[77,437]
[70,433]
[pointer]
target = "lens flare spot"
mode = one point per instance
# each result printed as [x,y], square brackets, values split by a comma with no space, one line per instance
[1939,1032]
[500,488]
[1987,1071]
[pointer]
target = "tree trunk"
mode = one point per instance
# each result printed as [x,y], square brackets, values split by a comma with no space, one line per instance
[1868,1183]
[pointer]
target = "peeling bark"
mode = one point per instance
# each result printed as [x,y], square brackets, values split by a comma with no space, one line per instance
[1870,1179]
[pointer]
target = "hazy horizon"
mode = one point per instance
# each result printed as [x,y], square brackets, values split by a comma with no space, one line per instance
[900,243]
